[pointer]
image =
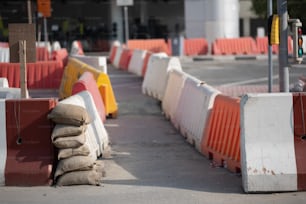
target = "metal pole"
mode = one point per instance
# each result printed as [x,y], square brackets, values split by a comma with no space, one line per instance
[283,46]
[270,74]
[126,24]
[29,12]
[46,33]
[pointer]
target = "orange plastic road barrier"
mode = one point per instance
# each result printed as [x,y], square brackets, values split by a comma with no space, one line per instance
[299,108]
[74,69]
[30,152]
[153,45]
[234,46]
[262,46]
[195,46]
[40,75]
[60,55]
[42,54]
[87,82]
[221,138]
[145,63]
[125,58]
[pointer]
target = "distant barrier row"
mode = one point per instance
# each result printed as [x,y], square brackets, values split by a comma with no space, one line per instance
[247,135]
[200,46]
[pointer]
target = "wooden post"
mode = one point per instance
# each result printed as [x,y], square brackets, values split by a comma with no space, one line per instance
[23,68]
[29,11]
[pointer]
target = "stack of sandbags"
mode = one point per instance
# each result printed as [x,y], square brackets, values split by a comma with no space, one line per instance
[76,152]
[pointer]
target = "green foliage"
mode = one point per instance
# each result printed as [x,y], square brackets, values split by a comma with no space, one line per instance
[296,8]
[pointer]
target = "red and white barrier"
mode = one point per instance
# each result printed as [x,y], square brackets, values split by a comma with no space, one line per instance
[136,62]
[173,92]
[30,154]
[3,153]
[96,129]
[98,62]
[195,104]
[117,57]
[268,159]
[155,81]
[88,82]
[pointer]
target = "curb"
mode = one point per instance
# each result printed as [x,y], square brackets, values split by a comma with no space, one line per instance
[225,58]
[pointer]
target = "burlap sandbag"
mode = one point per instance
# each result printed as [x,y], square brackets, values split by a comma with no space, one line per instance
[79,178]
[91,177]
[73,164]
[61,130]
[69,142]
[69,114]
[70,152]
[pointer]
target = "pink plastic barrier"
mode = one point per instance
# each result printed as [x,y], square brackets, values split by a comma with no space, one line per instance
[88,83]
[60,55]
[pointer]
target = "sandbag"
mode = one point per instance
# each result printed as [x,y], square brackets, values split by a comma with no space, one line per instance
[79,178]
[69,114]
[70,152]
[69,142]
[73,164]
[61,130]
[91,177]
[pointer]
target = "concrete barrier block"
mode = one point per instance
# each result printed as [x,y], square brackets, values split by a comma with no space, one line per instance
[267,143]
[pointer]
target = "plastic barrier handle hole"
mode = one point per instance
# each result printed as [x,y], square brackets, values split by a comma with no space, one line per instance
[19,140]
[303,137]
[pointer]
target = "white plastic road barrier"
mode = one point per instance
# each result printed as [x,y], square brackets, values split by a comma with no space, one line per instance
[116,61]
[56,46]
[155,81]
[95,128]
[192,112]
[268,161]
[43,44]
[3,82]
[98,62]
[4,54]
[10,93]
[136,62]
[173,92]
[3,152]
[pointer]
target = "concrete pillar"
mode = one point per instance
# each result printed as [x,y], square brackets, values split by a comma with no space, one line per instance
[117,17]
[212,19]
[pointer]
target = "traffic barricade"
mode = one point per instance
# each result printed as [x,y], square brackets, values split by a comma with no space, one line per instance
[98,62]
[125,58]
[173,92]
[96,129]
[268,154]
[40,75]
[221,137]
[87,82]
[74,69]
[155,81]
[193,109]
[30,153]
[3,82]
[137,61]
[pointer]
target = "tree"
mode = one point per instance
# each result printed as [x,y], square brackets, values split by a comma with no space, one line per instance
[296,8]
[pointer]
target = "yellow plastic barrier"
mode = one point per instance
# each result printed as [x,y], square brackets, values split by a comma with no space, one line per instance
[74,70]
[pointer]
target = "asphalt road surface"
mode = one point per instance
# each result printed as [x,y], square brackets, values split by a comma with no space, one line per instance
[150,161]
